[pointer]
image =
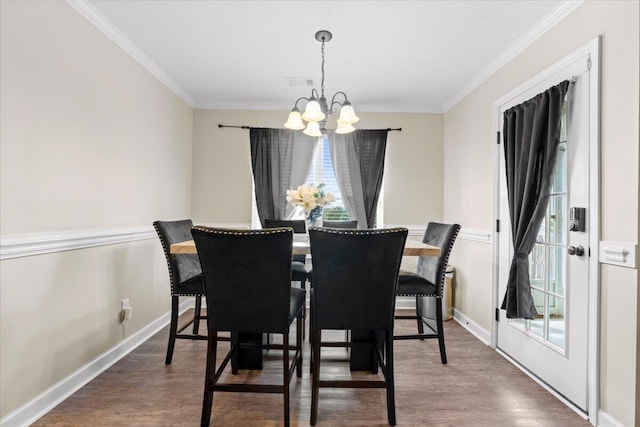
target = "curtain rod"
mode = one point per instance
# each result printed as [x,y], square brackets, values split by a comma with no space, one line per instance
[249,127]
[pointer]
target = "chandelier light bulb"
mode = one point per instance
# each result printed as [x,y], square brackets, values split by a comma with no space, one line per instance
[313,129]
[347,115]
[344,128]
[295,120]
[313,112]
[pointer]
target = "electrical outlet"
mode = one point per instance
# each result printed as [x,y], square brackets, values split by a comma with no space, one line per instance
[125,310]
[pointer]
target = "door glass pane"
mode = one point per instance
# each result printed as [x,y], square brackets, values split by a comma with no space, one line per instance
[548,264]
[559,177]
[557,219]
[555,268]
[536,267]
[540,237]
[557,321]
[536,326]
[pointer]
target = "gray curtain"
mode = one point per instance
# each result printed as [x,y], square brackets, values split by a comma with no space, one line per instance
[531,137]
[280,160]
[358,161]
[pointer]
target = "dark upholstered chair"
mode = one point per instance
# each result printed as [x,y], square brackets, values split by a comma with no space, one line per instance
[185,277]
[247,276]
[428,282]
[352,223]
[355,274]
[299,272]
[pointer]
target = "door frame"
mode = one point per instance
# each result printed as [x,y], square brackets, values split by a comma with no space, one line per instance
[591,52]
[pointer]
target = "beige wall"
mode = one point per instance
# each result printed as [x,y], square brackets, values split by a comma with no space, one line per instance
[469,141]
[89,140]
[222,176]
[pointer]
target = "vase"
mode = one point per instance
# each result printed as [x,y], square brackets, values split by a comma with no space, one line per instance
[314,218]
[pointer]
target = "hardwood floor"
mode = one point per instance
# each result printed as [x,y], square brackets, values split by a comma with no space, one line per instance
[476,388]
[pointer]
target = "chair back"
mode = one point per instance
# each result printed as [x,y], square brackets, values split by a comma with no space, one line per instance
[355,275]
[298,225]
[182,267]
[247,278]
[352,223]
[434,268]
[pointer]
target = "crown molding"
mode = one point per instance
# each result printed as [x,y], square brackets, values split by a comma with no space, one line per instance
[103,24]
[514,50]
[422,109]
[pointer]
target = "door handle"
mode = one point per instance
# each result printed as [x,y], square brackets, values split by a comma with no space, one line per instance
[575,250]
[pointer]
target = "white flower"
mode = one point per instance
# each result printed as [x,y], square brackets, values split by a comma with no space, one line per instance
[309,197]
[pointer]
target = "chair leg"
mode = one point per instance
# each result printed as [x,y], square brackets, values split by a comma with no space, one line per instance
[299,339]
[303,285]
[207,400]
[173,328]
[286,367]
[390,378]
[315,375]
[196,315]
[419,315]
[443,352]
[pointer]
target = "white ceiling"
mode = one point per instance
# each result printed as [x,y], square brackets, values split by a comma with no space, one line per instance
[406,56]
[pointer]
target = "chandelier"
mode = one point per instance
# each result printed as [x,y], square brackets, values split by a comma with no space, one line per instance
[317,109]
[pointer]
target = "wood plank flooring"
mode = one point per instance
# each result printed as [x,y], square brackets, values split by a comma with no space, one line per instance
[476,388]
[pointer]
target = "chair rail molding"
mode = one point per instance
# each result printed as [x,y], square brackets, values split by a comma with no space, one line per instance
[21,245]
[483,236]
[623,254]
[475,235]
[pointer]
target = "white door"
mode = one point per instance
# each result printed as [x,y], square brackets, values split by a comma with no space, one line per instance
[554,345]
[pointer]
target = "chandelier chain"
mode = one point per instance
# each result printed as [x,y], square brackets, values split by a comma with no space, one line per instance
[322,81]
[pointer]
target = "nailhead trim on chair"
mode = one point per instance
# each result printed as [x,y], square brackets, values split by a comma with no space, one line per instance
[168,255]
[360,231]
[442,276]
[243,232]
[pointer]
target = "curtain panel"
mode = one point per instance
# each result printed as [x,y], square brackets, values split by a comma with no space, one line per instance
[531,134]
[358,161]
[280,160]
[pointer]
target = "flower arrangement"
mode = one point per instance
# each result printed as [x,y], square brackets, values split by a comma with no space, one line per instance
[312,199]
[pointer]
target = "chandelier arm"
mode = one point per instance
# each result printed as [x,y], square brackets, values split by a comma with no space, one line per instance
[295,105]
[333,99]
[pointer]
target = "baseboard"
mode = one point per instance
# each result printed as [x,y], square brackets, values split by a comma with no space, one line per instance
[471,326]
[50,398]
[405,303]
[606,420]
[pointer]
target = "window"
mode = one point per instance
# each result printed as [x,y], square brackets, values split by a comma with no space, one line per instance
[321,171]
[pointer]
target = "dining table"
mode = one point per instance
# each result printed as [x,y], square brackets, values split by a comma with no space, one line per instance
[362,357]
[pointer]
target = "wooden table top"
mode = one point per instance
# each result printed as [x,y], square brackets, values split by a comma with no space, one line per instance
[301,247]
